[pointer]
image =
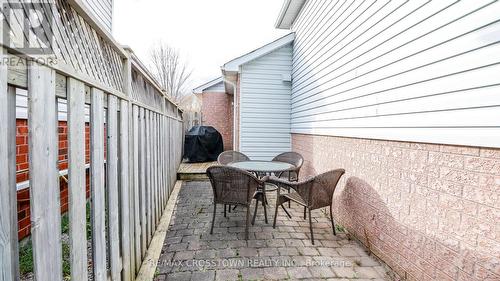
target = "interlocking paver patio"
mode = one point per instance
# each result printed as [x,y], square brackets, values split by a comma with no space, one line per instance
[190,252]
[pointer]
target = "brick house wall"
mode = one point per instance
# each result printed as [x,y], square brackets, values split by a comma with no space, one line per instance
[217,111]
[22,171]
[431,212]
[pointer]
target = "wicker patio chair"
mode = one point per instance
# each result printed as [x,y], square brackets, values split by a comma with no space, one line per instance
[314,193]
[229,156]
[232,186]
[293,158]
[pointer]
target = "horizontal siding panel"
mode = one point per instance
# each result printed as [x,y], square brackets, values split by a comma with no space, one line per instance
[418,57]
[263,101]
[475,79]
[470,117]
[219,87]
[400,65]
[381,80]
[484,137]
[392,31]
[356,14]
[103,11]
[473,98]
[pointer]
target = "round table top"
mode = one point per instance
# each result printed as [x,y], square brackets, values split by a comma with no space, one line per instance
[262,166]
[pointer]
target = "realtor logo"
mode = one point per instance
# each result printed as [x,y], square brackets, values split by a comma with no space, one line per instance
[28,27]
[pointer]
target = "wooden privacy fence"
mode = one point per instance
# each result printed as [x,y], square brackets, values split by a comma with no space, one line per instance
[135,148]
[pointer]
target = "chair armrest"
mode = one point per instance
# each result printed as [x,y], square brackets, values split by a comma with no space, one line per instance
[281,182]
[264,179]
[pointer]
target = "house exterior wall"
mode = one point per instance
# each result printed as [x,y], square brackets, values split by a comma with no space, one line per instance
[103,11]
[407,73]
[423,71]
[217,111]
[429,211]
[265,105]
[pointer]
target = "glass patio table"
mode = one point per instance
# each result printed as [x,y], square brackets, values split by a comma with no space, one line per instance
[263,167]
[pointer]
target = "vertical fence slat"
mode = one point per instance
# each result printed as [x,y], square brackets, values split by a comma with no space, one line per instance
[112,187]
[97,185]
[142,156]
[76,169]
[147,141]
[156,169]
[153,170]
[135,171]
[44,175]
[162,166]
[124,189]
[132,176]
[8,201]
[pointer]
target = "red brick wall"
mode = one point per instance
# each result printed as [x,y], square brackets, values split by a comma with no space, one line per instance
[217,111]
[431,212]
[22,174]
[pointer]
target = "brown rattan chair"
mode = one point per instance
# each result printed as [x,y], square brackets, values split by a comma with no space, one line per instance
[227,157]
[232,186]
[230,156]
[314,193]
[293,158]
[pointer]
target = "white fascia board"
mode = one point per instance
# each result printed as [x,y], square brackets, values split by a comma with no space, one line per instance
[234,65]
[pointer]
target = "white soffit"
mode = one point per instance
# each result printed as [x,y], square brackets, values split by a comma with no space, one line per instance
[288,13]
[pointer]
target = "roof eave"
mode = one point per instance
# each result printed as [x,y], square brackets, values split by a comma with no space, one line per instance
[289,10]
[199,89]
[233,66]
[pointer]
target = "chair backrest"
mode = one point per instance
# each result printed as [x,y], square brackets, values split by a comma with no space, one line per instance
[232,185]
[293,158]
[318,191]
[227,157]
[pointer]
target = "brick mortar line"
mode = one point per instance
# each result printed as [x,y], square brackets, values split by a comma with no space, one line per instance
[150,262]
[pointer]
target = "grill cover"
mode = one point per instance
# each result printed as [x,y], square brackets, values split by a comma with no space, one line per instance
[203,144]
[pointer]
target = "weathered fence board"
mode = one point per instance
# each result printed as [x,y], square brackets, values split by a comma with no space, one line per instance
[156,171]
[136,186]
[76,167]
[97,185]
[148,175]
[142,173]
[126,213]
[112,186]
[44,173]
[8,206]
[133,147]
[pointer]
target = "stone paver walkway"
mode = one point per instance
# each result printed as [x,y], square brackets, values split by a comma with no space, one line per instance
[190,252]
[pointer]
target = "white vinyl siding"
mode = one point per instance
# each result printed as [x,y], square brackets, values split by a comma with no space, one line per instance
[103,11]
[265,105]
[62,108]
[217,88]
[425,71]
